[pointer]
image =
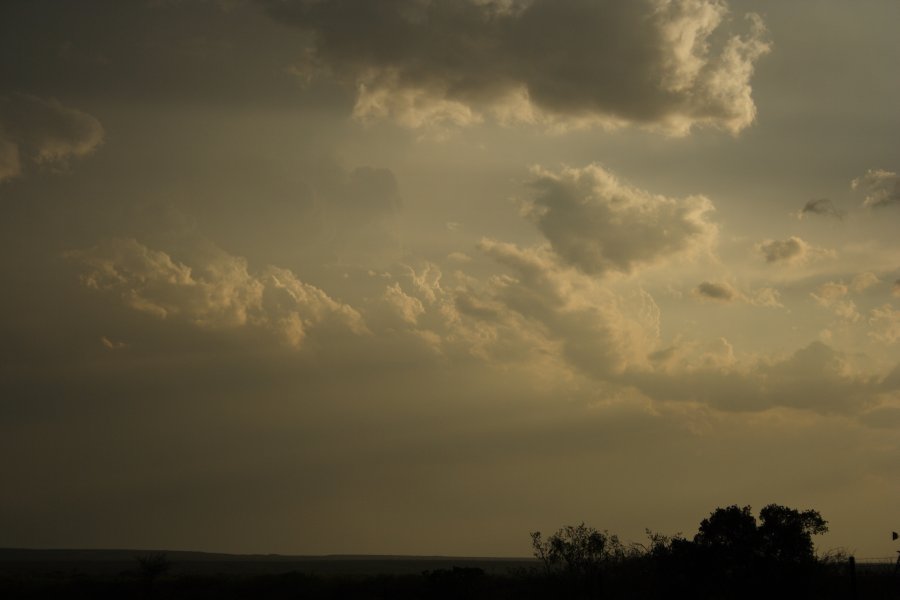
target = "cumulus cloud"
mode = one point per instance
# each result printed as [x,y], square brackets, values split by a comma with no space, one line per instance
[407,307]
[40,131]
[788,250]
[864,281]
[766,297]
[451,62]
[885,322]
[599,224]
[218,292]
[832,295]
[882,188]
[820,206]
[726,293]
[815,377]
[598,331]
[720,292]
[793,250]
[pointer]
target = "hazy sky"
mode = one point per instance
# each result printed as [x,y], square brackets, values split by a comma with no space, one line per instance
[422,276]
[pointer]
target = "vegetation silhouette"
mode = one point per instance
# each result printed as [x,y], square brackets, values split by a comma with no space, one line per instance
[734,554]
[152,566]
[576,556]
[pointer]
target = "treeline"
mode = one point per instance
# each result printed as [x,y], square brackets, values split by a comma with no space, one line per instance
[734,554]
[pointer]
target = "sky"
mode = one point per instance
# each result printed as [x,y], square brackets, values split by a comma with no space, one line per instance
[424,276]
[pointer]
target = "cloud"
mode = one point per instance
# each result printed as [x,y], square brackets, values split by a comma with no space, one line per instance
[598,224]
[406,307]
[831,295]
[820,206]
[895,289]
[217,292]
[112,344]
[598,332]
[815,377]
[788,250]
[766,296]
[726,293]
[884,416]
[661,63]
[885,322]
[864,281]
[720,292]
[793,250]
[882,188]
[40,131]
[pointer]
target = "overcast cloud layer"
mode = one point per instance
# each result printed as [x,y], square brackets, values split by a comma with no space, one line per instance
[337,276]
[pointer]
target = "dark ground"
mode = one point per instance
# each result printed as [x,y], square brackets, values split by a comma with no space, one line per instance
[100,574]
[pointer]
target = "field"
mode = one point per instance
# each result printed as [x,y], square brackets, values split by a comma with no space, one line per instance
[99,574]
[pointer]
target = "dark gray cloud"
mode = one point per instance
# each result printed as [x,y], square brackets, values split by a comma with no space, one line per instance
[673,64]
[882,188]
[599,224]
[820,206]
[721,292]
[218,53]
[783,250]
[39,131]
[793,250]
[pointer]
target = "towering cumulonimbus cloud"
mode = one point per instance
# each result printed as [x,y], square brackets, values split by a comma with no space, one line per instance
[669,64]
[40,131]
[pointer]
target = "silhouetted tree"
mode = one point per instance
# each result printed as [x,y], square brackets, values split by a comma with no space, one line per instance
[733,555]
[576,548]
[152,567]
[783,535]
[786,534]
[576,557]
[731,530]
